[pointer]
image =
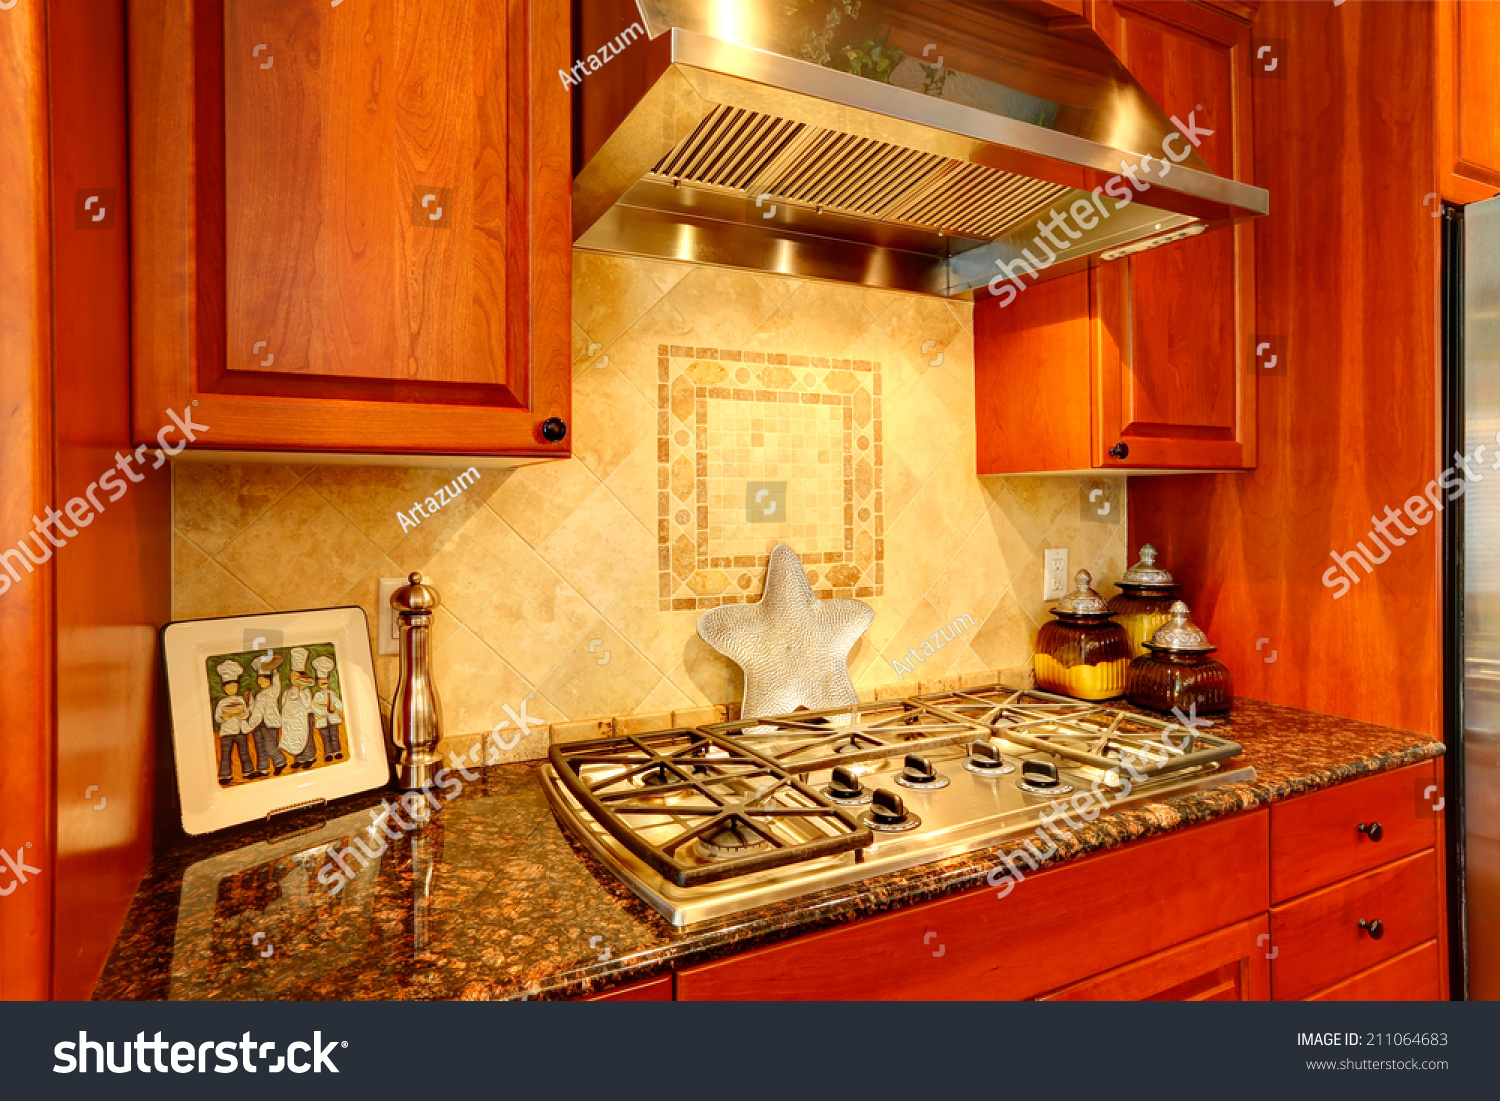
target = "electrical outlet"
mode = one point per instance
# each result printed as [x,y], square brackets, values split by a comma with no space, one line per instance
[387,635]
[1055,573]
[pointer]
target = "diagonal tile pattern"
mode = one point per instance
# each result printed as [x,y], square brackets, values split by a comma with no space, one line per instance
[551,573]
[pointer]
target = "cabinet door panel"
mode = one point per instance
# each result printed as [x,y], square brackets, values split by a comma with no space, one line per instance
[1172,324]
[332,261]
[1318,938]
[1231,965]
[1414,976]
[1468,100]
[350,227]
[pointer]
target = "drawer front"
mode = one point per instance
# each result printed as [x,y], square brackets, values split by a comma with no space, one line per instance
[1414,976]
[1316,839]
[1230,965]
[1051,929]
[1318,940]
[651,990]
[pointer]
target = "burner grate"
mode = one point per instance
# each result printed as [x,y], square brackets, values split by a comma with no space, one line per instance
[807,741]
[1090,734]
[684,801]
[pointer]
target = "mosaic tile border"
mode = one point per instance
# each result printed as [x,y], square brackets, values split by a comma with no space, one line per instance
[692,577]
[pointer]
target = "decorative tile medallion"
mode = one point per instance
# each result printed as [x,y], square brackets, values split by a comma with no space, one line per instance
[756,449]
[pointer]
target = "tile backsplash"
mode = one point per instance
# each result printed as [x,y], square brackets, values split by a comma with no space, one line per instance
[715,414]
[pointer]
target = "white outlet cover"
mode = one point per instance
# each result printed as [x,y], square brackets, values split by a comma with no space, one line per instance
[1055,573]
[387,637]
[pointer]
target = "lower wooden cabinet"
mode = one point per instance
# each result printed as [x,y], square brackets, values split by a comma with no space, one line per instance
[1231,965]
[1413,976]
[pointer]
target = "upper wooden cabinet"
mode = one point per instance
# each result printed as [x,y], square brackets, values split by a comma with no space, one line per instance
[1143,362]
[1468,100]
[350,224]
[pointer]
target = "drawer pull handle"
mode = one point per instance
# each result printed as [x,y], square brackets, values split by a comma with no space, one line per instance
[1373,830]
[1376,928]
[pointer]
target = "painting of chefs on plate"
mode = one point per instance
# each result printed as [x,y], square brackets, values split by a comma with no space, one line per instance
[275,711]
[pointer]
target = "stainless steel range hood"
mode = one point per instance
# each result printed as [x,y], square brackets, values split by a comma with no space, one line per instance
[730,132]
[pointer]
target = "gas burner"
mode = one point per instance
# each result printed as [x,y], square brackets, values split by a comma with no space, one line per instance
[919,773]
[888,813]
[845,789]
[728,841]
[1041,778]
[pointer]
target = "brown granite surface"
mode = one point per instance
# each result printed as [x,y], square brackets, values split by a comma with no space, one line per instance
[491,900]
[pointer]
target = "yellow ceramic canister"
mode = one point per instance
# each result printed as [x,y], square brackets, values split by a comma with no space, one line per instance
[1083,652]
[1144,601]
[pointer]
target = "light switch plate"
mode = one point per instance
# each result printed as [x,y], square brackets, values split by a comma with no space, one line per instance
[1055,573]
[387,638]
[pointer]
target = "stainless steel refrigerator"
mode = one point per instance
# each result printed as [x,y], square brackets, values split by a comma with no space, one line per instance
[1471,311]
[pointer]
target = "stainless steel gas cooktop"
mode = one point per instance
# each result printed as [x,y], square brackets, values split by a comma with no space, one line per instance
[711,821]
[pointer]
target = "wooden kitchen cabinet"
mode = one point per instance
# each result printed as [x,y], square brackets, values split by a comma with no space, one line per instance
[1142,362]
[1230,965]
[1468,100]
[350,224]
[1119,906]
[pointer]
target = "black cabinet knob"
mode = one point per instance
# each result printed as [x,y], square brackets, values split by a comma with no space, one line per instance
[1376,928]
[1120,450]
[554,429]
[1373,830]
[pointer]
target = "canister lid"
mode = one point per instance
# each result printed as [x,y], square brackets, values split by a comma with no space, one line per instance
[1083,600]
[415,596]
[1146,574]
[1180,635]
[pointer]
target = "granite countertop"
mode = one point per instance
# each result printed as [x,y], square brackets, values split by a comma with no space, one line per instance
[491,899]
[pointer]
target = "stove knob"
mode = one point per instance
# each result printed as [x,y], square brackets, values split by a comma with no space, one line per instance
[887,808]
[918,770]
[1040,774]
[845,785]
[983,755]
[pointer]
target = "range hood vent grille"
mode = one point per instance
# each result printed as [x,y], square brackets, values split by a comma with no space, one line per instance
[748,153]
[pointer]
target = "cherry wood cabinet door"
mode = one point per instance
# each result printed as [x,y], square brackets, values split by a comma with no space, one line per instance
[1049,930]
[1319,939]
[1468,99]
[351,223]
[1172,327]
[1414,976]
[1333,834]
[1230,965]
[648,990]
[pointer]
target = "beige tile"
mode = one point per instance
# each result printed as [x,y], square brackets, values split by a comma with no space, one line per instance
[1007,637]
[586,730]
[213,591]
[699,716]
[186,559]
[1084,540]
[918,429]
[707,676]
[535,499]
[982,569]
[532,617]
[917,548]
[599,547]
[1045,498]
[924,645]
[609,294]
[374,498]
[724,306]
[610,420]
[776,287]
[463,556]
[662,637]
[830,317]
[212,503]
[474,686]
[636,353]
[583,688]
[301,553]
[634,483]
[666,274]
[647,720]
[775,335]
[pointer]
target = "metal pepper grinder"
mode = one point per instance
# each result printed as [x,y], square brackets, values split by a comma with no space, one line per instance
[416,716]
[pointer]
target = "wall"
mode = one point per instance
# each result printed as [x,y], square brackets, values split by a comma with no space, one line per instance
[576,585]
[1347,272]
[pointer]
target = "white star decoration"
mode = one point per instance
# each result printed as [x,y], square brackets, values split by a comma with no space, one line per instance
[793,647]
